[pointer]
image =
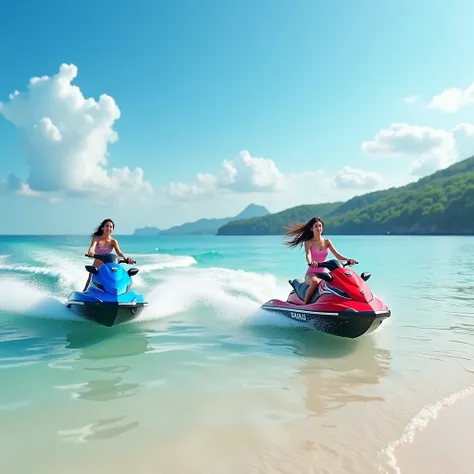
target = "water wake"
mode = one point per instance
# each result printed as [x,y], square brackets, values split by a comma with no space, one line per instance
[173,284]
[19,297]
[68,271]
[235,295]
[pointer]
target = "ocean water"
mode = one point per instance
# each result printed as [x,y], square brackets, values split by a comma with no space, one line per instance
[207,382]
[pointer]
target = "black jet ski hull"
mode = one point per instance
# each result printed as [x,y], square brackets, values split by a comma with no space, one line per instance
[106,314]
[349,324]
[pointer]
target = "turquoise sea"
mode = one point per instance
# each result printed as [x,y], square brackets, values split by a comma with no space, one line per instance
[206,382]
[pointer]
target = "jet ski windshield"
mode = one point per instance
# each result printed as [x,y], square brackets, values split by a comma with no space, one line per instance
[107,257]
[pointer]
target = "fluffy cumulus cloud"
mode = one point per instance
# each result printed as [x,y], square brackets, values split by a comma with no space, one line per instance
[452,99]
[67,138]
[402,138]
[245,174]
[433,148]
[354,178]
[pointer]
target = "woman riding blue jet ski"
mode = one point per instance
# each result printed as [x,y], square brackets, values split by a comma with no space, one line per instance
[108,297]
[102,243]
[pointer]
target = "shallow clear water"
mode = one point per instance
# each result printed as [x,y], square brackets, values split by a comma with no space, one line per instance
[205,381]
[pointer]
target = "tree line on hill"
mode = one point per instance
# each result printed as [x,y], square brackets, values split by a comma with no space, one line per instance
[439,204]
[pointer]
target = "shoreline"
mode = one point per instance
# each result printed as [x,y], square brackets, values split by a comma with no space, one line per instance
[452,431]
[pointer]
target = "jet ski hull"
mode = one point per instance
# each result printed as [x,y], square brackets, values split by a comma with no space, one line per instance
[106,314]
[346,323]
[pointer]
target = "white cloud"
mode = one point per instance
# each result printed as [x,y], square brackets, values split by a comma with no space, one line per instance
[245,174]
[354,178]
[275,190]
[411,99]
[433,148]
[319,186]
[452,99]
[305,187]
[463,134]
[67,137]
[13,184]
[465,128]
[404,139]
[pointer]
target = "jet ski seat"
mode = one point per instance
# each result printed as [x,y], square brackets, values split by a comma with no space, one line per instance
[301,288]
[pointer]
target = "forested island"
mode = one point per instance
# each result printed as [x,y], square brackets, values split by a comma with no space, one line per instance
[439,204]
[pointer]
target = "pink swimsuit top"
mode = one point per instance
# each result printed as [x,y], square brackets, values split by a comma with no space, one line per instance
[102,250]
[318,256]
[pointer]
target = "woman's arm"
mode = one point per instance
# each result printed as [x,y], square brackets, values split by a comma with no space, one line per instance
[335,252]
[119,252]
[117,248]
[91,250]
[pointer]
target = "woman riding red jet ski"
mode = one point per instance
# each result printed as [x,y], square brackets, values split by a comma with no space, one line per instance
[332,298]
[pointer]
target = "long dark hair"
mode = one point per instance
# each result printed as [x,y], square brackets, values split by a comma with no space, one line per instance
[301,232]
[100,229]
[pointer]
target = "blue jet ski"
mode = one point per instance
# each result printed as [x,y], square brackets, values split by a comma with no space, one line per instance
[109,299]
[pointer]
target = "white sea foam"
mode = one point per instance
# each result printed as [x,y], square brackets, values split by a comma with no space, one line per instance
[19,297]
[418,423]
[234,294]
[163,262]
[70,273]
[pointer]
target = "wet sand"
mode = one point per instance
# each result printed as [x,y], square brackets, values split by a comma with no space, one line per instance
[444,446]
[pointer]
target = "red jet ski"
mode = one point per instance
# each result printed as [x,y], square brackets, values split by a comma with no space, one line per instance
[343,304]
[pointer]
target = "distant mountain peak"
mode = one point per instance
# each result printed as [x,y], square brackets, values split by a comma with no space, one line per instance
[252,210]
[206,226]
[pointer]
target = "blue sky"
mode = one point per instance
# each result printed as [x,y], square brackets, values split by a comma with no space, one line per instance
[268,102]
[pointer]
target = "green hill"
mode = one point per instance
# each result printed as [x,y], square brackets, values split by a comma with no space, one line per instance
[273,223]
[438,204]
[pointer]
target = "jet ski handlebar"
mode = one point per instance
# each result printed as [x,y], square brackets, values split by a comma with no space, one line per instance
[333,264]
[108,258]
